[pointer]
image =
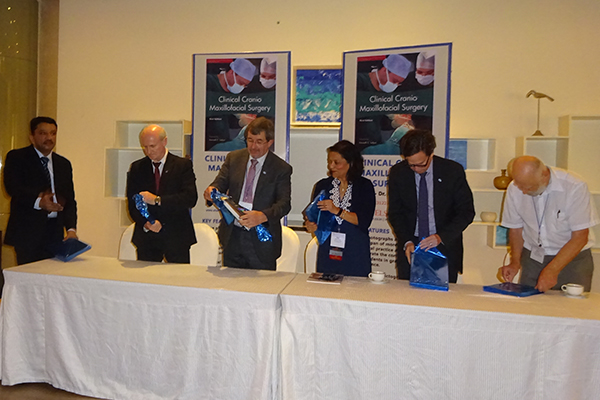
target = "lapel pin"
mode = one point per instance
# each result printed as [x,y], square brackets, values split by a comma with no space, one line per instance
[439,179]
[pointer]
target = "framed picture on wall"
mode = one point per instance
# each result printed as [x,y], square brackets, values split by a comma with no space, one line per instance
[317,95]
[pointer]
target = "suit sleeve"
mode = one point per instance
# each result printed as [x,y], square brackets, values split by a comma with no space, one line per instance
[68,192]
[187,196]
[396,215]
[463,209]
[221,182]
[283,194]
[17,186]
[365,203]
[132,188]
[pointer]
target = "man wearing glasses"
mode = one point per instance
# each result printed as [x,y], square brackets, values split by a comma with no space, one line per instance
[429,203]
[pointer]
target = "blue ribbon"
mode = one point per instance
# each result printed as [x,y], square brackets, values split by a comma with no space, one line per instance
[142,207]
[217,197]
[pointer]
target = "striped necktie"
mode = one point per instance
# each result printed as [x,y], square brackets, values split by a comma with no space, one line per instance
[248,195]
[45,161]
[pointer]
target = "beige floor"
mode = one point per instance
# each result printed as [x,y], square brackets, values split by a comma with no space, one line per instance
[36,391]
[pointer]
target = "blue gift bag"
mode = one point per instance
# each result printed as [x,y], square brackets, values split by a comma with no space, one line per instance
[324,219]
[429,269]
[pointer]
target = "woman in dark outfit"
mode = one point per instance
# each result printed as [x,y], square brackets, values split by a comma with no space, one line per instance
[351,198]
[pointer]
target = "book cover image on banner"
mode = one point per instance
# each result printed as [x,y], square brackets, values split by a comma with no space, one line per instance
[237,91]
[230,91]
[388,92]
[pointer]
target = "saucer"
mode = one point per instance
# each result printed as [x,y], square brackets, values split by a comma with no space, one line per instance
[378,283]
[576,296]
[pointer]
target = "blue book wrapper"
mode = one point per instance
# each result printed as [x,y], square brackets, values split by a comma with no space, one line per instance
[231,211]
[429,269]
[512,289]
[69,249]
[142,207]
[324,219]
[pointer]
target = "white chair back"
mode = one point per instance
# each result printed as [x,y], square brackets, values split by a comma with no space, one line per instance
[127,250]
[206,251]
[290,247]
[310,256]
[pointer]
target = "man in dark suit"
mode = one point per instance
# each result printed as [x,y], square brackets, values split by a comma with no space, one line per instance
[261,182]
[40,184]
[436,219]
[168,186]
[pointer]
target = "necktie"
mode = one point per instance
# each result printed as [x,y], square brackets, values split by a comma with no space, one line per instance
[45,161]
[156,175]
[423,212]
[248,196]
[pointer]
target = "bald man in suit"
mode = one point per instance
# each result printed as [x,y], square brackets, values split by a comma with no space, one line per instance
[260,181]
[168,186]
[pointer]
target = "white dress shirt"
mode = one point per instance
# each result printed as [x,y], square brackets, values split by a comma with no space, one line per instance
[550,218]
[259,165]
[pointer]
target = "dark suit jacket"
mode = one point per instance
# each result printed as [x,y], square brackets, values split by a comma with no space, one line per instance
[178,195]
[272,196]
[24,180]
[452,203]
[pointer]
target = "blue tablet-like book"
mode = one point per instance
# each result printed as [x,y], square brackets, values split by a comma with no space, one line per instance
[512,289]
[69,249]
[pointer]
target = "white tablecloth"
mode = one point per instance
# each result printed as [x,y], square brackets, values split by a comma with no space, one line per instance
[359,340]
[133,330]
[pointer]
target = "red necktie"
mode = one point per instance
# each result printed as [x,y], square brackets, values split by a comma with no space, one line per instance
[156,175]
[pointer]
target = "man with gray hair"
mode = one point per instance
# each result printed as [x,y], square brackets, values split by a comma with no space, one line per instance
[549,212]
[260,181]
[167,185]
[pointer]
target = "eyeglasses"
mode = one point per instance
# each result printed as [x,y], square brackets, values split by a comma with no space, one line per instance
[422,165]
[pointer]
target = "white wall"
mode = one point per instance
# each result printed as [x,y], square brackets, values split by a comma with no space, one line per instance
[132,60]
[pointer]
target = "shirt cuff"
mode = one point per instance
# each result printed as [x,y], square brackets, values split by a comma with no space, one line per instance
[511,226]
[36,205]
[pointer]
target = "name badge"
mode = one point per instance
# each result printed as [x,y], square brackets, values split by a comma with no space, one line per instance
[338,239]
[537,254]
[336,254]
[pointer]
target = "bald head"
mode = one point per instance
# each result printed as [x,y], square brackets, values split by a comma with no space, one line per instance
[530,175]
[153,129]
[153,139]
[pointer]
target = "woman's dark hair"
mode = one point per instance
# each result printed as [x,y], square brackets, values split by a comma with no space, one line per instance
[352,155]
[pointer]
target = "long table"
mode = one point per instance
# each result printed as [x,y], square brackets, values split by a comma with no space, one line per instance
[135,330]
[359,340]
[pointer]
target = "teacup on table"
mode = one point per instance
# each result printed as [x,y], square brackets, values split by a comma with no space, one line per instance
[572,289]
[377,276]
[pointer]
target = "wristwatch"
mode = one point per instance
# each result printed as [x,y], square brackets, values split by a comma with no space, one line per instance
[157,201]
